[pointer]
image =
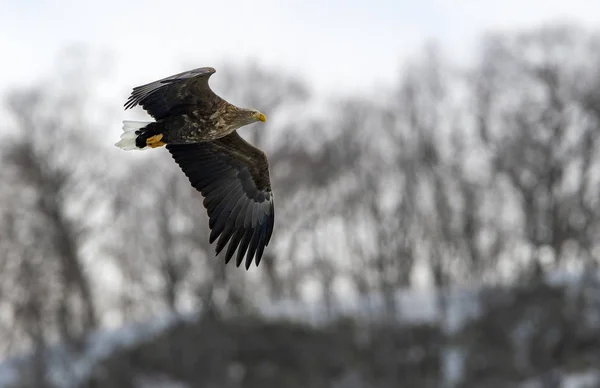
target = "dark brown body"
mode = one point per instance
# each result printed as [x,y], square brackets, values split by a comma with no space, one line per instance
[194,126]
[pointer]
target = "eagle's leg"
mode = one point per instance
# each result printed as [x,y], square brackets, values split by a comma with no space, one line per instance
[155,141]
[150,136]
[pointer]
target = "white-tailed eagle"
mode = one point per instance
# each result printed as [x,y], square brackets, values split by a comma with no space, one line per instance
[199,128]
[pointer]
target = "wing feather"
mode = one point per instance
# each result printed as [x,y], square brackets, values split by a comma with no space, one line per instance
[233,177]
[175,93]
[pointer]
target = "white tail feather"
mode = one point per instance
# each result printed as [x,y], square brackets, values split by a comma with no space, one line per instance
[128,136]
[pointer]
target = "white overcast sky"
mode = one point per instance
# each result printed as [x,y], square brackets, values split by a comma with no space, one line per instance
[346,44]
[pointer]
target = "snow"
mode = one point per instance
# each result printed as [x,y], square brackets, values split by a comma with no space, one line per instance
[453,359]
[412,307]
[147,381]
[585,379]
[68,369]
[9,373]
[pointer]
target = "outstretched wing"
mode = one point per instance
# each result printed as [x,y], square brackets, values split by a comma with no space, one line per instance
[233,177]
[162,97]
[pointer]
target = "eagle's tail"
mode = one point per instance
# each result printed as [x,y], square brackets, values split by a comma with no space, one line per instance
[131,131]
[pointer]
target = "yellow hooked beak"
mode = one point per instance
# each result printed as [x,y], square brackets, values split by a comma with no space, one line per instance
[261,117]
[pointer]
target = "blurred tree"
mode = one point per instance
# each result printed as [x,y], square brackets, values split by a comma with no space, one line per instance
[51,202]
[535,118]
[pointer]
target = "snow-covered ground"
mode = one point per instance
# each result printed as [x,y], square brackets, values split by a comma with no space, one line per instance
[587,379]
[412,307]
[68,370]
[146,381]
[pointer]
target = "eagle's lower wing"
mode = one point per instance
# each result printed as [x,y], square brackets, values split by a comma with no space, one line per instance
[233,177]
[159,98]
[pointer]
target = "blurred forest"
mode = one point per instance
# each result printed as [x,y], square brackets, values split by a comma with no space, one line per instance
[442,232]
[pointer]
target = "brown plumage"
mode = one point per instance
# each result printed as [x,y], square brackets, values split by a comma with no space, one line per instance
[199,128]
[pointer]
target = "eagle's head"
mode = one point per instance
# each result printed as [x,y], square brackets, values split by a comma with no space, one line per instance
[255,115]
[233,118]
[242,116]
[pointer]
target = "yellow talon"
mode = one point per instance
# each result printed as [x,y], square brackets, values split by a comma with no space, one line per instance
[155,141]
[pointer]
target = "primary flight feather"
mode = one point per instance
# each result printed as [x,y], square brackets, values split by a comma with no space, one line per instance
[199,129]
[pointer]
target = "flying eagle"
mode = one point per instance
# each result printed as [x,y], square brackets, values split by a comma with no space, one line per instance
[199,128]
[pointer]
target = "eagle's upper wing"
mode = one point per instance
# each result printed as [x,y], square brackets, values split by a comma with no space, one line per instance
[233,177]
[161,97]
